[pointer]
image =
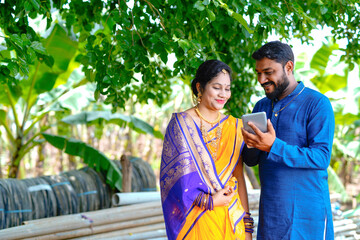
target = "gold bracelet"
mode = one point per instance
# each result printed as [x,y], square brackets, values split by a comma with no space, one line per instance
[204,203]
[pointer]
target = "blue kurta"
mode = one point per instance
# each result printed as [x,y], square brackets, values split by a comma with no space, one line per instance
[294,201]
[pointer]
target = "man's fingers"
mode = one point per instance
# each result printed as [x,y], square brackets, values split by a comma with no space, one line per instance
[248,136]
[270,127]
[256,130]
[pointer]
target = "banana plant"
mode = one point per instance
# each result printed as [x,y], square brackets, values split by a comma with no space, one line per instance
[91,156]
[107,117]
[20,111]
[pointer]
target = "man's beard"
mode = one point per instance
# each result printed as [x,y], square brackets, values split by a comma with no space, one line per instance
[279,89]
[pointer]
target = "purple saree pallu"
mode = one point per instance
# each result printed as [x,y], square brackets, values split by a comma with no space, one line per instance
[186,170]
[178,169]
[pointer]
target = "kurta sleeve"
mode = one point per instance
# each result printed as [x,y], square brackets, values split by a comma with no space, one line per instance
[315,154]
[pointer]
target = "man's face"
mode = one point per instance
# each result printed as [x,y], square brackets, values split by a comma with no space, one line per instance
[272,77]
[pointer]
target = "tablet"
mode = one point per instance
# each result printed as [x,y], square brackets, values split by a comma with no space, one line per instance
[259,119]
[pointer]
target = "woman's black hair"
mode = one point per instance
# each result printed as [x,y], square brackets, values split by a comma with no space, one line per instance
[207,71]
[275,50]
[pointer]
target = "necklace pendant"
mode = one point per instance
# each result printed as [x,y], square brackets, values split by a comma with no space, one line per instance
[276,114]
[218,132]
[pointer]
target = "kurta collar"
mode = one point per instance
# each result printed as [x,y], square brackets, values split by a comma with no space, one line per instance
[298,88]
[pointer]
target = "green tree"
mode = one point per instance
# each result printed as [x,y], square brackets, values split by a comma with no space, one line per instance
[20,110]
[120,38]
[125,46]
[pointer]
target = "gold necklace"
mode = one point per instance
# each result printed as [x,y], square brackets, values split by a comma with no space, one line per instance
[272,104]
[212,144]
[203,118]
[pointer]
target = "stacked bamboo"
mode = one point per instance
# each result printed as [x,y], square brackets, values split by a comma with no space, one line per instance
[137,221]
[347,229]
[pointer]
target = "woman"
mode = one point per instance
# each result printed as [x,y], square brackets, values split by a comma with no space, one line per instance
[202,184]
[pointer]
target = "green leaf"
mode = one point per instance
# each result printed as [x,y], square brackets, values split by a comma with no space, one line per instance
[14,69]
[49,60]
[31,56]
[206,2]
[323,10]
[122,120]
[17,40]
[237,17]
[301,61]
[38,47]
[4,52]
[242,21]
[75,147]
[59,54]
[321,57]
[336,185]
[91,156]
[211,15]
[345,119]
[56,141]
[28,6]
[331,82]
[36,4]
[184,44]
[2,116]
[76,99]
[199,6]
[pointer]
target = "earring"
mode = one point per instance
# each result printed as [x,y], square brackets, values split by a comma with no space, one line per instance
[198,99]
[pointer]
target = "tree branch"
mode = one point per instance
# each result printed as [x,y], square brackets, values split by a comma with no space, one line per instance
[8,131]
[152,9]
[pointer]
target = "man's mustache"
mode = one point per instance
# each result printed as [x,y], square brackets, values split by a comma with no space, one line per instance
[267,84]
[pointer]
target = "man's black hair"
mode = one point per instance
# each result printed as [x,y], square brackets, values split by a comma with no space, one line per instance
[275,50]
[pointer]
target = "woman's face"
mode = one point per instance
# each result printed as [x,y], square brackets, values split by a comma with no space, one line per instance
[217,92]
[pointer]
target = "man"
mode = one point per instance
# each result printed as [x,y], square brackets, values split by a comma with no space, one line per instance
[294,154]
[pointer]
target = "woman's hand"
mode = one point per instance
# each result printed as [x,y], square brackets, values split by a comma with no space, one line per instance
[223,197]
[248,236]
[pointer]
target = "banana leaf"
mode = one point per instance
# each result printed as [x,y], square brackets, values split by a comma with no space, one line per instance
[91,156]
[327,82]
[122,120]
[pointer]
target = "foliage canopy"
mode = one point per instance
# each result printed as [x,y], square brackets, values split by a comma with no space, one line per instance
[115,40]
[134,50]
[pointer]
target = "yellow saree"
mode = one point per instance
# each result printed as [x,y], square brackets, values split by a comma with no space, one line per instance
[184,144]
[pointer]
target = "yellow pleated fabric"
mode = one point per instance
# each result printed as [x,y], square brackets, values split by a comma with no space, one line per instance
[219,223]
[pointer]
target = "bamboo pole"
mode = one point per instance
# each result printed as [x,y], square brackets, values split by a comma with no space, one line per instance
[100,213]
[127,172]
[341,222]
[345,228]
[158,234]
[77,221]
[100,229]
[126,232]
